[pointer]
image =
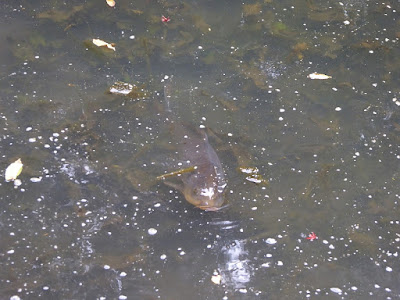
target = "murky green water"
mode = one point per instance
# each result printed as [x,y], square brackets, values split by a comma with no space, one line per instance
[90,220]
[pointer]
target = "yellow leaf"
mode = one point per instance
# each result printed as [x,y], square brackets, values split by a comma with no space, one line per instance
[13,170]
[110,3]
[101,43]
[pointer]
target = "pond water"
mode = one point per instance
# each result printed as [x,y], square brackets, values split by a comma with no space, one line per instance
[87,217]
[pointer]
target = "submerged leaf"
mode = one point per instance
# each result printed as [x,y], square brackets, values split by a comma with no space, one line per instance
[252,9]
[13,170]
[60,16]
[177,173]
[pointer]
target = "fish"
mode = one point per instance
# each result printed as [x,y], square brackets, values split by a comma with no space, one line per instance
[203,182]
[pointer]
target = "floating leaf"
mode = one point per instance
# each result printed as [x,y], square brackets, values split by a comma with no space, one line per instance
[216,279]
[316,75]
[312,236]
[121,88]
[110,3]
[13,170]
[165,19]
[101,43]
[253,175]
[130,90]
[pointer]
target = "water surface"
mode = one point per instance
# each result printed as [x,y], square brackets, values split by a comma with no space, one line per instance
[90,220]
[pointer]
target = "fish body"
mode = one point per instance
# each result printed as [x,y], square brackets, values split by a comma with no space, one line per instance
[203,184]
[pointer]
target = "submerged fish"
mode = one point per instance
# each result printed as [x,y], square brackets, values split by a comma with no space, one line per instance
[203,181]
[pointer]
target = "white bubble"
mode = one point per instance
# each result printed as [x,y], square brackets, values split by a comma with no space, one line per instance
[266,265]
[336,290]
[36,179]
[152,231]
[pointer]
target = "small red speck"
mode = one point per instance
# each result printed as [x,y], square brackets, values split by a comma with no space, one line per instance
[165,19]
[312,236]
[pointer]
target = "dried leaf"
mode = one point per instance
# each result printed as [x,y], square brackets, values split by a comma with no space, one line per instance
[110,3]
[253,175]
[101,43]
[13,170]
[318,76]
[216,279]
[121,88]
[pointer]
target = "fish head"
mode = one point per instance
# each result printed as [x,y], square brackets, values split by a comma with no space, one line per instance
[204,193]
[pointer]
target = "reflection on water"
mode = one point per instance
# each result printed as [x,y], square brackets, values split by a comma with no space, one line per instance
[235,266]
[90,220]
